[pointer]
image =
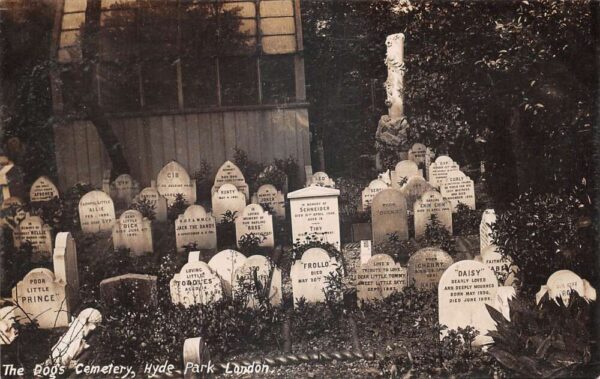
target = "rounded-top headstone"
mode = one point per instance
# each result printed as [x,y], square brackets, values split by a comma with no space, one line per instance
[195,226]
[227,198]
[96,212]
[379,278]
[403,171]
[502,266]
[458,188]
[265,270]
[426,266]
[173,179]
[388,216]
[374,187]
[432,203]
[562,282]
[225,263]
[197,283]
[439,169]
[254,219]
[309,275]
[414,188]
[267,194]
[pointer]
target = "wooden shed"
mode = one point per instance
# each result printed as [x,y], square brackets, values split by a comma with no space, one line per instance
[170,94]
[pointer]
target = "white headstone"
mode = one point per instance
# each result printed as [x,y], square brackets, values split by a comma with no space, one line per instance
[417,153]
[379,278]
[227,198]
[258,268]
[429,155]
[430,203]
[502,266]
[197,283]
[195,226]
[309,275]
[9,315]
[42,190]
[314,210]
[254,219]
[268,195]
[414,189]
[389,216]
[134,232]
[32,229]
[65,266]
[230,173]
[154,198]
[426,266]
[464,290]
[458,188]
[562,282]
[124,189]
[72,343]
[321,179]
[438,170]
[403,171]
[488,219]
[96,212]
[173,179]
[225,263]
[365,251]
[370,191]
[42,298]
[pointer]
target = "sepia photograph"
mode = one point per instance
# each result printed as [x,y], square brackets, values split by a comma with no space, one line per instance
[299,189]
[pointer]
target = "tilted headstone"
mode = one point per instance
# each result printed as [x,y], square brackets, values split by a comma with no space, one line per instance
[134,232]
[65,266]
[11,179]
[268,195]
[488,219]
[439,170]
[371,191]
[133,291]
[314,211]
[403,171]
[464,290]
[365,251]
[432,203]
[417,153]
[96,212]
[124,189]
[195,226]
[10,317]
[196,283]
[321,179]
[502,266]
[43,190]
[426,266]
[43,299]
[261,269]
[379,278]
[33,230]
[173,179]
[309,275]
[458,188]
[73,342]
[225,263]
[560,285]
[255,220]
[229,173]
[156,200]
[227,198]
[388,216]
[414,189]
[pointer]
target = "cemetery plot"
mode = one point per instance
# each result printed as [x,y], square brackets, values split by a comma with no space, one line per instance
[173,179]
[432,203]
[314,211]
[379,278]
[426,266]
[310,274]
[134,232]
[388,216]
[255,220]
[96,212]
[195,227]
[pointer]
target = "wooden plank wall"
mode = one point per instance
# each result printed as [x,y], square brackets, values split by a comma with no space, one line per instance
[151,142]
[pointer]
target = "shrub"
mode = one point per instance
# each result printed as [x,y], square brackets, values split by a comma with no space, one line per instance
[398,249]
[250,169]
[177,207]
[145,207]
[249,244]
[226,230]
[204,178]
[546,233]
[465,221]
[438,236]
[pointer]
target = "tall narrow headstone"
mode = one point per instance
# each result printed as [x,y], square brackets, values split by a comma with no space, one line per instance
[134,232]
[488,219]
[124,189]
[379,278]
[96,212]
[195,226]
[439,170]
[229,173]
[432,203]
[310,273]
[33,230]
[426,266]
[268,195]
[258,278]
[227,199]
[173,179]
[156,200]
[225,263]
[43,299]
[314,211]
[374,187]
[65,266]
[42,190]
[458,188]
[388,216]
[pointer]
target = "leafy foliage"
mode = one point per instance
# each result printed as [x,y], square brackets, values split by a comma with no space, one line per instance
[465,221]
[145,207]
[177,207]
[249,244]
[204,178]
[397,248]
[437,235]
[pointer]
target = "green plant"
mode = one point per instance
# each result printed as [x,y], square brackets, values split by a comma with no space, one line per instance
[249,244]
[398,249]
[177,207]
[310,241]
[437,235]
[550,339]
[145,207]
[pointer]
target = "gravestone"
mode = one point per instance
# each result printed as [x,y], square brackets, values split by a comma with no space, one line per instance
[365,251]
[464,290]
[124,189]
[11,179]
[229,173]
[173,179]
[9,315]
[12,212]
[488,219]
[379,278]
[426,266]
[134,232]
[309,275]
[432,203]
[370,191]
[274,175]
[196,283]
[225,263]
[33,230]
[502,266]
[440,168]
[268,195]
[417,153]
[96,212]
[414,189]
[195,226]
[42,298]
[42,190]
[132,291]
[385,177]
[255,220]
[314,211]
[403,171]
[227,198]
[151,196]
[562,282]
[73,342]
[321,179]
[258,268]
[65,267]
[388,216]
[458,188]
[429,155]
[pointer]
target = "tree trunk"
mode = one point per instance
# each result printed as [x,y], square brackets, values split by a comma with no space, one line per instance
[94,112]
